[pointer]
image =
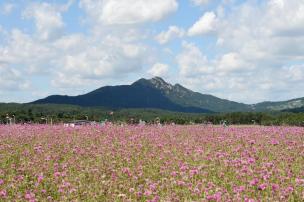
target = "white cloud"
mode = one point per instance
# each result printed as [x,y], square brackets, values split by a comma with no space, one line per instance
[104,60]
[192,62]
[173,32]
[232,62]
[48,20]
[255,56]
[7,8]
[272,36]
[23,51]
[117,12]
[159,69]
[205,25]
[200,2]
[11,79]
[70,60]
[293,73]
[255,52]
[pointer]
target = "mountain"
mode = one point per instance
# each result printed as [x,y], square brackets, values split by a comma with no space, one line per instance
[185,97]
[137,95]
[289,105]
[157,93]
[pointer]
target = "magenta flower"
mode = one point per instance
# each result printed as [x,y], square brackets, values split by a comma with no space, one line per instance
[155,199]
[300,181]
[57,174]
[40,178]
[30,196]
[174,174]
[148,193]
[262,187]
[275,187]
[254,182]
[274,142]
[193,172]
[3,193]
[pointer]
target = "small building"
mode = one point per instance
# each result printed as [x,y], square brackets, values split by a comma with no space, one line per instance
[78,123]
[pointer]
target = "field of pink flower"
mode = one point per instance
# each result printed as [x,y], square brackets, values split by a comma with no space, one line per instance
[150,163]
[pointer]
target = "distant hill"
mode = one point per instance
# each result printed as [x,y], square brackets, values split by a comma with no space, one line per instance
[289,105]
[295,110]
[158,94]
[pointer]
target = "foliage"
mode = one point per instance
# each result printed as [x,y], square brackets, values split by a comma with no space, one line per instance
[64,113]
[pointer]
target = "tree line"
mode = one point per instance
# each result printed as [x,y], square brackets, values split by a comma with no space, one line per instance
[27,113]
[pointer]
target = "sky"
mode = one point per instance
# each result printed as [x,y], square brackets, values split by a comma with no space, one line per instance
[243,50]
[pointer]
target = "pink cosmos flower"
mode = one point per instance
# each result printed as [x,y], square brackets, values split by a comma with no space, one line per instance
[152,187]
[183,168]
[155,199]
[300,181]
[274,142]
[40,178]
[181,183]
[218,196]
[30,196]
[275,187]
[148,193]
[250,160]
[210,197]
[57,174]
[139,194]
[174,174]
[262,187]
[290,189]
[249,200]
[193,172]
[254,182]
[3,193]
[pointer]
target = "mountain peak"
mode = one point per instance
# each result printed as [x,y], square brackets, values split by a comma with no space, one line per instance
[159,79]
[160,83]
[156,82]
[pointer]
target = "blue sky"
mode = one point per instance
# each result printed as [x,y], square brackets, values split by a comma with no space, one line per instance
[244,50]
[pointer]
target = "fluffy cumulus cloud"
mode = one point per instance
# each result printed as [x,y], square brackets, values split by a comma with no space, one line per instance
[246,51]
[11,79]
[256,57]
[231,62]
[48,19]
[293,73]
[159,69]
[6,8]
[200,2]
[113,12]
[205,25]
[70,60]
[173,32]
[193,62]
[23,51]
[95,61]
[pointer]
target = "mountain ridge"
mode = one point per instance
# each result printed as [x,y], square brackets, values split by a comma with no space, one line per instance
[157,93]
